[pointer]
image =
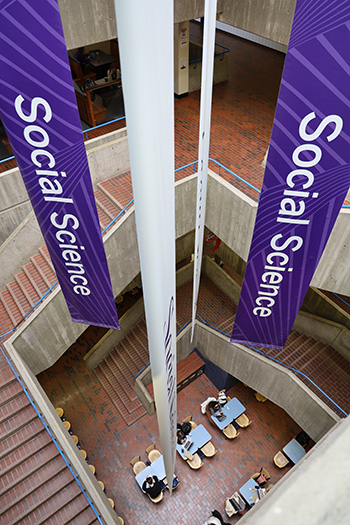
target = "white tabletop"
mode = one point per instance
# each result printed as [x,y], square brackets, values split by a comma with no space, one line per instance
[294,451]
[154,469]
[199,437]
[231,410]
[248,490]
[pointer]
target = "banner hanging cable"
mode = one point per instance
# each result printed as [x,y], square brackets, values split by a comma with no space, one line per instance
[148,88]
[307,174]
[39,111]
[203,144]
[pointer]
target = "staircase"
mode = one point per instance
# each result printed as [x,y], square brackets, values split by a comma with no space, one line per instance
[36,486]
[116,375]
[38,276]
[321,363]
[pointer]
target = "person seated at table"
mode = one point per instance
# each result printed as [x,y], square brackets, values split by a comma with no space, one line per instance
[216,411]
[83,59]
[222,398]
[152,486]
[216,519]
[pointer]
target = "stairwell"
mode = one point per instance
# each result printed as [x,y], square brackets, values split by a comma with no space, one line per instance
[117,371]
[36,485]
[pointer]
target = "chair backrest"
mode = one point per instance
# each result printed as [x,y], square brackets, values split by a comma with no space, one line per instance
[138,467]
[153,455]
[151,447]
[187,419]
[134,460]
[157,499]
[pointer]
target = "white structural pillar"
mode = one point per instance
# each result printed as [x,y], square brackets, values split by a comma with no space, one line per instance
[181,58]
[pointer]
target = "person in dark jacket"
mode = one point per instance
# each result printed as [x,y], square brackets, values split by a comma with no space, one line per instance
[152,486]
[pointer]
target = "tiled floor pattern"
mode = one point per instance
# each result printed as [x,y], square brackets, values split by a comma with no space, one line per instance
[94,420]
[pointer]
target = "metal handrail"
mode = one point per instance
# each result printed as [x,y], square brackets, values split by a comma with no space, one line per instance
[225,50]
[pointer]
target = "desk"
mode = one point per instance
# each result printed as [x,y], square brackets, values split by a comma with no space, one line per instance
[248,490]
[231,410]
[294,451]
[100,62]
[199,437]
[154,469]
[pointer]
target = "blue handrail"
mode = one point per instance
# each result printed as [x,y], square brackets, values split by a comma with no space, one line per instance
[41,417]
[259,352]
[283,364]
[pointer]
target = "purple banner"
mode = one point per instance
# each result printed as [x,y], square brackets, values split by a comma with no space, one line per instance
[307,174]
[39,111]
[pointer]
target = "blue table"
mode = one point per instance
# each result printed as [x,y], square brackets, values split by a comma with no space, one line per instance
[248,490]
[199,437]
[154,469]
[231,410]
[294,451]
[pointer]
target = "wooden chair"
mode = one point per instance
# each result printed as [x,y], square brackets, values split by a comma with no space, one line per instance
[230,432]
[243,421]
[260,397]
[60,413]
[195,461]
[137,465]
[75,439]
[280,460]
[269,487]
[121,520]
[209,450]
[93,469]
[111,502]
[258,474]
[188,419]
[158,498]
[84,454]
[102,485]
[68,426]
[152,453]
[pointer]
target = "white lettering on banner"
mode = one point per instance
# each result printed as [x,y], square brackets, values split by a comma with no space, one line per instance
[291,211]
[52,189]
[170,363]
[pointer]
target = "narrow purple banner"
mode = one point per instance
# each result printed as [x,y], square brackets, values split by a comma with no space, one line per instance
[307,174]
[40,115]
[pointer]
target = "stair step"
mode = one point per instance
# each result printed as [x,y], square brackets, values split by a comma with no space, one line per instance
[19,298]
[10,391]
[18,472]
[37,479]
[35,278]
[44,270]
[103,219]
[11,407]
[5,320]
[139,354]
[118,189]
[85,517]
[27,288]
[42,504]
[110,209]
[11,307]
[62,508]
[45,253]
[18,421]
[119,383]
[30,438]
[6,374]
[116,391]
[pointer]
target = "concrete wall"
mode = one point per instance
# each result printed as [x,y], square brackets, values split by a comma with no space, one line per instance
[220,73]
[273,381]
[49,331]
[271,19]
[318,303]
[20,235]
[230,215]
[67,445]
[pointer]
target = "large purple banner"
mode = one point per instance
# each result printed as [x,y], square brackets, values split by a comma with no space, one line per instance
[40,115]
[307,174]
